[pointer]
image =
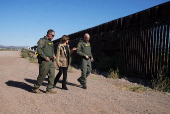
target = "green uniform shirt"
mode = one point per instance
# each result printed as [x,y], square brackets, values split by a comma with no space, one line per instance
[45,48]
[84,49]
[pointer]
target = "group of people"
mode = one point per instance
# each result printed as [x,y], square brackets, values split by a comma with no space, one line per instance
[46,57]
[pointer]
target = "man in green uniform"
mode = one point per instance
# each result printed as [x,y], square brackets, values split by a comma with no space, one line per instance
[84,50]
[46,59]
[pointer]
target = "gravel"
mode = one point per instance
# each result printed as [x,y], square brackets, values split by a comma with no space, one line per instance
[18,75]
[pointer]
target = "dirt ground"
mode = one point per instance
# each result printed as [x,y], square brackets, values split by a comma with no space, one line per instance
[18,75]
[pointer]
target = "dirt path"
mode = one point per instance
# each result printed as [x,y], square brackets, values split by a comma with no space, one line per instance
[18,75]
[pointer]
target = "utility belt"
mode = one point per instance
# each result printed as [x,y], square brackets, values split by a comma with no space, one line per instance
[85,57]
[51,58]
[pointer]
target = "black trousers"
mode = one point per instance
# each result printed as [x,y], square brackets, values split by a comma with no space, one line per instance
[62,70]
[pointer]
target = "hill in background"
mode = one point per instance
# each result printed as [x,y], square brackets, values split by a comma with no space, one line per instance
[13,47]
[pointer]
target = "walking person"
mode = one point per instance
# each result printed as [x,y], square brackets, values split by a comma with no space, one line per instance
[46,59]
[84,50]
[63,56]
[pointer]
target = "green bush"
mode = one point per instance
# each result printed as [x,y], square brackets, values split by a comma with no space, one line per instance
[33,60]
[24,54]
[113,74]
[161,82]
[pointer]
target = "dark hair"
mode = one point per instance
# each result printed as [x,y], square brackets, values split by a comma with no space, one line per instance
[64,38]
[50,31]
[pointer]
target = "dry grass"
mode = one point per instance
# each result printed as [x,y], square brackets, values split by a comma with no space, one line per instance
[30,56]
[33,60]
[113,74]
[161,82]
[95,72]
[138,88]
[25,53]
[95,78]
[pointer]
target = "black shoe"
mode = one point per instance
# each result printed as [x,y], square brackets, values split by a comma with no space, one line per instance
[79,81]
[84,87]
[65,88]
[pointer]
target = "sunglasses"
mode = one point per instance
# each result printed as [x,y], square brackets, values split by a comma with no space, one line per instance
[52,35]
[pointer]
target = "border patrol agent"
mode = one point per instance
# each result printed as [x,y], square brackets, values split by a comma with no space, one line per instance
[84,50]
[46,59]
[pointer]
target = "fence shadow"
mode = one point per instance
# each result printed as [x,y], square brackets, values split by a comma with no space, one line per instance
[20,85]
[138,80]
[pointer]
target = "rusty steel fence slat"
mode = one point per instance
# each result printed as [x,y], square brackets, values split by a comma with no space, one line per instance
[167,40]
[151,51]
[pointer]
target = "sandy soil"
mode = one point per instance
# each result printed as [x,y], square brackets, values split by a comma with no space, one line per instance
[18,75]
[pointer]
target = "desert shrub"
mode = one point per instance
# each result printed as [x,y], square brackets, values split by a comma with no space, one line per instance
[33,60]
[25,53]
[95,72]
[113,73]
[139,88]
[161,82]
[135,88]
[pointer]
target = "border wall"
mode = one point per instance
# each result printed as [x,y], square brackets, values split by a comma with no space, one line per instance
[142,39]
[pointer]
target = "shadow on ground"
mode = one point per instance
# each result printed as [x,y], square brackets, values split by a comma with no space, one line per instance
[34,81]
[46,79]
[139,80]
[20,85]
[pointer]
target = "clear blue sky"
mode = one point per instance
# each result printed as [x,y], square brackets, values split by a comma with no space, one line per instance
[23,22]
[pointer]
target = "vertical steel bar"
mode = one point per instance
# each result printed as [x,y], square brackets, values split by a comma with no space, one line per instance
[140,44]
[130,51]
[148,56]
[157,45]
[167,41]
[163,47]
[154,50]
[151,51]
[160,48]
[145,51]
[133,53]
[128,55]
[136,51]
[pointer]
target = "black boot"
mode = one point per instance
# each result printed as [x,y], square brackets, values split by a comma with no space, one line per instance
[65,88]
[84,87]
[79,81]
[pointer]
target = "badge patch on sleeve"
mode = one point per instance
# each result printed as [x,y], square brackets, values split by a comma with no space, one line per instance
[50,43]
[40,42]
[88,44]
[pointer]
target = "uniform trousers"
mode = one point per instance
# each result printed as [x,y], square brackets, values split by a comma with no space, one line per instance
[86,69]
[46,68]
